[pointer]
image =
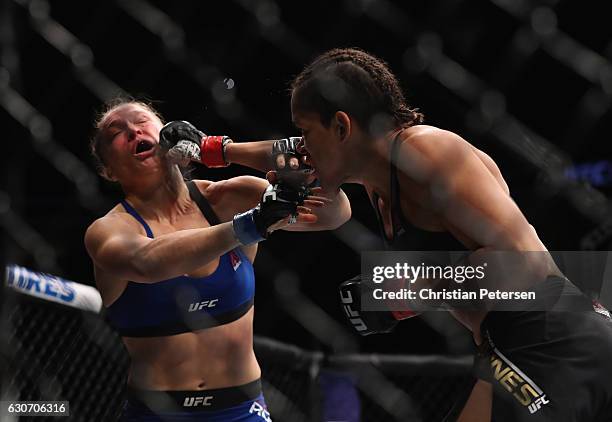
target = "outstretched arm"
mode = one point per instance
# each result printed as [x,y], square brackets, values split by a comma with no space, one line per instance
[256,155]
[116,246]
[328,211]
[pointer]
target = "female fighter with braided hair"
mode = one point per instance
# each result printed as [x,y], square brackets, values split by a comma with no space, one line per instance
[432,190]
[173,262]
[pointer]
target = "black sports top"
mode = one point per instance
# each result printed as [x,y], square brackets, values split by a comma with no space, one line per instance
[406,236]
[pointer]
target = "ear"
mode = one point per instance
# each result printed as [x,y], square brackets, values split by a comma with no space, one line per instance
[343,125]
[108,174]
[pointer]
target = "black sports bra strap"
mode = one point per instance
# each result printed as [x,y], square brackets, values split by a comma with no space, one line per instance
[379,219]
[397,217]
[393,169]
[202,203]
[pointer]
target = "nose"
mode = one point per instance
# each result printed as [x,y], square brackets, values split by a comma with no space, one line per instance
[133,131]
[301,149]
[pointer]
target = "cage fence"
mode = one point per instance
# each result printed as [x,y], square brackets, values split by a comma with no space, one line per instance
[55,352]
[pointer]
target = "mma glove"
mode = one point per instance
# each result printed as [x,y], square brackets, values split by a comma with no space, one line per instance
[277,202]
[184,143]
[289,162]
[368,322]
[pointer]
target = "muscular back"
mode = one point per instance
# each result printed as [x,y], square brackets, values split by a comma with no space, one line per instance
[448,184]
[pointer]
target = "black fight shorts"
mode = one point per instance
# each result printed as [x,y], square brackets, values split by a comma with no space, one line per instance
[549,365]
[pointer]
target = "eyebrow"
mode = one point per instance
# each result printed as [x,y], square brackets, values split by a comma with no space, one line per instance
[114,124]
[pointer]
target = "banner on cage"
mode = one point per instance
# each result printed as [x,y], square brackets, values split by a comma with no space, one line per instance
[53,288]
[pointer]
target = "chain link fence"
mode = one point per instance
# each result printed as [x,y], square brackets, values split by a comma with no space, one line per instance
[524,81]
[53,352]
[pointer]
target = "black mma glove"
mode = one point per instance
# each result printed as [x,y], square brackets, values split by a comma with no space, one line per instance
[184,143]
[367,322]
[276,203]
[289,164]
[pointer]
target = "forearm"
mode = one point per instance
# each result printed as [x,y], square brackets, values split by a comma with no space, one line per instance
[334,214]
[256,155]
[186,143]
[182,252]
[329,217]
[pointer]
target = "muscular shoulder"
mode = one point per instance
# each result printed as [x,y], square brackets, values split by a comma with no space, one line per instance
[427,150]
[116,220]
[447,152]
[432,141]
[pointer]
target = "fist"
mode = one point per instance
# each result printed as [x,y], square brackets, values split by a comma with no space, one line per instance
[179,130]
[289,162]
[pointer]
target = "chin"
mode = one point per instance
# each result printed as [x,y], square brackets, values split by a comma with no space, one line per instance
[328,185]
[151,161]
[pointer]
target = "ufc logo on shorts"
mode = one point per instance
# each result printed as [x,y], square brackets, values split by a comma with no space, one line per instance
[198,306]
[259,410]
[352,315]
[538,403]
[197,401]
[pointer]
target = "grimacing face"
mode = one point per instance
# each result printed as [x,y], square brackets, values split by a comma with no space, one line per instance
[131,136]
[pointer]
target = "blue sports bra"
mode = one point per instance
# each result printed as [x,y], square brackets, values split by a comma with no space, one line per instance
[183,304]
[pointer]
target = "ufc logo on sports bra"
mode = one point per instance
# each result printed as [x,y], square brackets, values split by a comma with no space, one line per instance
[197,401]
[198,306]
[235,260]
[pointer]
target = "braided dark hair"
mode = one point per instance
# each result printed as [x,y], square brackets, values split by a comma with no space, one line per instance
[353,81]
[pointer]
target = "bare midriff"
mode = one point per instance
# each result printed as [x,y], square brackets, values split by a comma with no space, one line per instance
[216,357]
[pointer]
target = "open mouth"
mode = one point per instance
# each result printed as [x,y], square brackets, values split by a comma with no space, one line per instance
[144,146]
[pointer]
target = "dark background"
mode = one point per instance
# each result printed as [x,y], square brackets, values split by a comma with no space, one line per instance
[529,82]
